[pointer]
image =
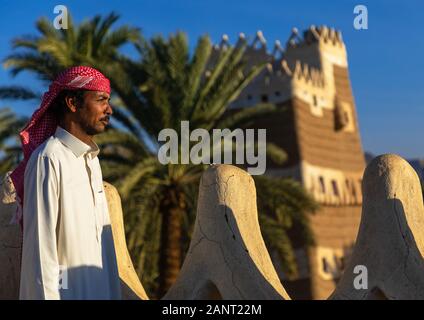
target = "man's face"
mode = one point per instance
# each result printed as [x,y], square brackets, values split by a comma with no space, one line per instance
[93,115]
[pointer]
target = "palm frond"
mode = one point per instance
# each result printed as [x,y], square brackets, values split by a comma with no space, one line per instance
[143,168]
[196,74]
[46,28]
[27,42]
[18,93]
[275,153]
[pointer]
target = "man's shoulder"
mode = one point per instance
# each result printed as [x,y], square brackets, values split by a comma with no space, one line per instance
[48,148]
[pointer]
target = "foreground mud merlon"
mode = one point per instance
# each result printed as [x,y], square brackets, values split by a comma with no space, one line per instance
[10,243]
[227,257]
[132,289]
[390,242]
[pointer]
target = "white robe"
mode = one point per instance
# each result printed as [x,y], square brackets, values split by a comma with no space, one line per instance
[68,249]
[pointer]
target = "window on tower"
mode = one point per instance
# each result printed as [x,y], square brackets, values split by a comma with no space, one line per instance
[343,116]
[315,100]
[325,266]
[322,184]
[335,188]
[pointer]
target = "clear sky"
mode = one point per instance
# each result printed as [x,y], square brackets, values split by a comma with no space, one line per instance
[386,61]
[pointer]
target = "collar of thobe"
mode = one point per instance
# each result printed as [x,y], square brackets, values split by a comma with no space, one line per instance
[78,147]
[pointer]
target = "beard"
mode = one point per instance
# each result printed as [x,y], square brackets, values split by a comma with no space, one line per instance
[94,130]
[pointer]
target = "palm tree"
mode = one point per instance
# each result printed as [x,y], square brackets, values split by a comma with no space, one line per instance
[167,85]
[93,42]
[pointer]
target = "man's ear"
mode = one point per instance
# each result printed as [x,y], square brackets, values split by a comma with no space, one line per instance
[71,103]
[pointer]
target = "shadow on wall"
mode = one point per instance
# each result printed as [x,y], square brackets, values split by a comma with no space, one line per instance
[390,243]
[395,265]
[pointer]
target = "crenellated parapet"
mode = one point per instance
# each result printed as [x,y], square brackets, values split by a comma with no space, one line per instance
[315,34]
[303,74]
[302,68]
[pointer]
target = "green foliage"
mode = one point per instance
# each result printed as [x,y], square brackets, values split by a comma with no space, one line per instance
[10,151]
[92,42]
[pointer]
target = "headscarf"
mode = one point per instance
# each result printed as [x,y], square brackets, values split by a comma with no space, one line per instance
[44,121]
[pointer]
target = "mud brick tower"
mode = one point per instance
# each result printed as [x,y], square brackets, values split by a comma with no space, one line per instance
[319,131]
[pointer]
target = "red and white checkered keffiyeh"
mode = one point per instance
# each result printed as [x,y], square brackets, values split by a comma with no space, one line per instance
[43,122]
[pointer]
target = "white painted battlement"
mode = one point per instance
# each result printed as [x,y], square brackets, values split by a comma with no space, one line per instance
[303,68]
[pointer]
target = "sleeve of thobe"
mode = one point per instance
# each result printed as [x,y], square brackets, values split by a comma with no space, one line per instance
[40,267]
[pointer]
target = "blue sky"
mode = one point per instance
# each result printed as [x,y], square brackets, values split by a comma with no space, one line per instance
[386,61]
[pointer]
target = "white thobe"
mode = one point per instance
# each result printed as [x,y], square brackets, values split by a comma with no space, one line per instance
[68,250]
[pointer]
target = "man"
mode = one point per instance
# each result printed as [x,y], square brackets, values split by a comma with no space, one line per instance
[68,250]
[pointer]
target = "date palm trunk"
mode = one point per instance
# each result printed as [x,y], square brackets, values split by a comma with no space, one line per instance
[170,257]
